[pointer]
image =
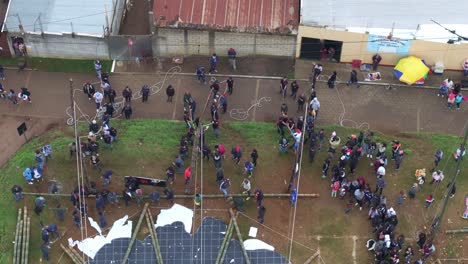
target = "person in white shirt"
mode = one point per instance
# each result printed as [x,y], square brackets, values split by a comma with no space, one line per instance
[98,100]
[380,171]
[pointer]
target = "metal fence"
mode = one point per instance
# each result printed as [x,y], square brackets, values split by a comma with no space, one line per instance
[130,47]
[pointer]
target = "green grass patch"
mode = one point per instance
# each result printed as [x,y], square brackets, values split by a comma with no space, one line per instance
[56,65]
[145,147]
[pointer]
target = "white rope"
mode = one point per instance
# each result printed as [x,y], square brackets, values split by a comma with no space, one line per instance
[342,120]
[241,114]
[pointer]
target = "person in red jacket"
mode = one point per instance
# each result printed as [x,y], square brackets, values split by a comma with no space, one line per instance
[187,175]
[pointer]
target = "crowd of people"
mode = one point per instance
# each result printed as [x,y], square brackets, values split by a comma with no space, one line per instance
[452,92]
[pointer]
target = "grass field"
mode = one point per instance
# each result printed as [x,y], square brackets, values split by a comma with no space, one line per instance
[56,65]
[146,148]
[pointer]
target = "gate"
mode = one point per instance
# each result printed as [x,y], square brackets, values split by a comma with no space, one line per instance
[130,47]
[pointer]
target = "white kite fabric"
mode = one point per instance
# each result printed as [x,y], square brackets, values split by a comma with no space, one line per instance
[177,213]
[91,245]
[255,244]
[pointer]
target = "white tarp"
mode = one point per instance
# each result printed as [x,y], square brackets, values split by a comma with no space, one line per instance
[91,245]
[177,213]
[255,244]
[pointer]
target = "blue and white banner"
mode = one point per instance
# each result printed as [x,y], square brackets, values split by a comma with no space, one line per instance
[382,44]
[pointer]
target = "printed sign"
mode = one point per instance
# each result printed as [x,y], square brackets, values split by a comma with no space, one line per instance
[382,44]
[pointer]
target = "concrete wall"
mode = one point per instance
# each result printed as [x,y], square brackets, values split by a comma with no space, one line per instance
[170,42]
[355,47]
[63,45]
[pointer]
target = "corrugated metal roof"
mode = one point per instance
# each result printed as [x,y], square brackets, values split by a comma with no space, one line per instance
[87,16]
[280,16]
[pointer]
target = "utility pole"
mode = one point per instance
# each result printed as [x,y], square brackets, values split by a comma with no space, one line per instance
[435,226]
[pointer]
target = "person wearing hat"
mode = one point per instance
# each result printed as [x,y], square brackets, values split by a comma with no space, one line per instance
[89,90]
[197,200]
[93,127]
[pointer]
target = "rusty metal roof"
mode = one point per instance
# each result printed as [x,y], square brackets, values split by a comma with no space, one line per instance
[277,16]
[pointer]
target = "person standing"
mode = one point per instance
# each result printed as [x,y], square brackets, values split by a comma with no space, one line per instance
[293,197]
[300,102]
[232,54]
[223,101]
[261,214]
[170,91]
[258,197]
[127,111]
[353,79]
[213,63]
[230,85]
[107,177]
[283,86]
[398,159]
[127,94]
[318,68]
[421,240]
[325,167]
[315,106]
[332,80]
[39,158]
[102,220]
[170,174]
[201,74]
[294,89]
[145,91]
[187,175]
[458,100]
[25,94]
[17,192]
[98,97]
[246,186]
[179,164]
[89,90]
[53,231]
[169,195]
[98,68]
[40,203]
[254,156]
[375,61]
[380,185]
[236,154]
[45,251]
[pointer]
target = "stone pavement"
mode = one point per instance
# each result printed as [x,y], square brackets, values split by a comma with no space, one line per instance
[388,111]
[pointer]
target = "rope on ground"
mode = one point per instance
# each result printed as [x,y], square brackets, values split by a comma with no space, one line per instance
[342,120]
[241,114]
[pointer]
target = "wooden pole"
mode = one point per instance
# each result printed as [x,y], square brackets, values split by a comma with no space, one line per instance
[16,254]
[183,196]
[20,242]
[154,237]
[23,244]
[239,236]
[225,244]
[309,260]
[457,231]
[134,235]
[28,233]
[76,254]
[71,255]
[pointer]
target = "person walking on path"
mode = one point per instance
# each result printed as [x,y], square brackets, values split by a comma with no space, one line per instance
[145,91]
[170,91]
[127,111]
[437,158]
[248,168]
[318,68]
[315,106]
[170,175]
[224,186]
[451,100]
[98,97]
[213,63]
[17,192]
[89,90]
[232,54]
[223,101]
[332,80]
[246,186]
[413,190]
[187,175]
[236,154]
[111,94]
[200,71]
[380,185]
[178,163]
[421,240]
[353,79]
[98,68]
[230,85]
[40,203]
[293,197]
[325,167]
[127,94]
[102,220]
[107,178]
[459,99]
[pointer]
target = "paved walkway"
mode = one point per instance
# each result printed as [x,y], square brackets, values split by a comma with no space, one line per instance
[389,111]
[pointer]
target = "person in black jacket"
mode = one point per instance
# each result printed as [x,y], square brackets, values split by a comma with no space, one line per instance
[127,111]
[170,91]
[145,91]
[331,81]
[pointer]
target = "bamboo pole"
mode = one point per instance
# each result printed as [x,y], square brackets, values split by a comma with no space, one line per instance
[183,196]
[456,231]
[19,243]
[134,235]
[23,244]
[28,234]
[16,254]
[154,237]
[309,260]
[225,244]
[239,236]
[71,255]
[77,255]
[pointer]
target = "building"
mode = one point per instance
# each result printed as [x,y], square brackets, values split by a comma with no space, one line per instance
[203,27]
[65,28]
[357,31]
